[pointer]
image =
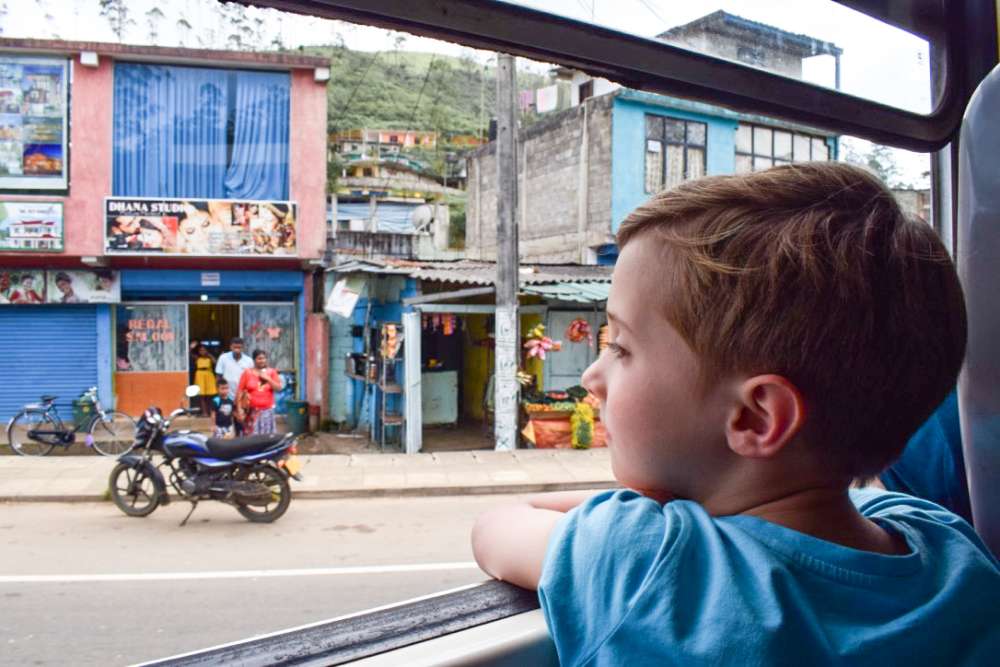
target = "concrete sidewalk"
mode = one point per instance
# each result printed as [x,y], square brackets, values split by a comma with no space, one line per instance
[85,478]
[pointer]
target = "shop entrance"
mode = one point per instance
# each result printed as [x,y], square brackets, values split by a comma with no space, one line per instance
[212,325]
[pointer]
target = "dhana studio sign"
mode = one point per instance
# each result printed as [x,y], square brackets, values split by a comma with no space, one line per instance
[207,227]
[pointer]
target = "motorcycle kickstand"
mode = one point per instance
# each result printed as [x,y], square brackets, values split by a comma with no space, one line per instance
[194,505]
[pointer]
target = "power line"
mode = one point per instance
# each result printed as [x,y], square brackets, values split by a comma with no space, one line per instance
[654,12]
[357,86]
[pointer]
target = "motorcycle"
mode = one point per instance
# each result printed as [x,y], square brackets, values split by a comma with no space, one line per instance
[251,473]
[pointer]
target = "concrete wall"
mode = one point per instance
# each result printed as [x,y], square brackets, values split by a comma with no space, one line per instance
[307,161]
[564,188]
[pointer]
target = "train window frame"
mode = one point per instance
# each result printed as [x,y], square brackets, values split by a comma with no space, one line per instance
[959,65]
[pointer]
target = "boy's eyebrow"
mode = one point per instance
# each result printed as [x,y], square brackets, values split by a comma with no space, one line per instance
[617,321]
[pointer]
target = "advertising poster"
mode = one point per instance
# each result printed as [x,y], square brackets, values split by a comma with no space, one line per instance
[215,227]
[57,286]
[22,286]
[32,122]
[97,286]
[31,226]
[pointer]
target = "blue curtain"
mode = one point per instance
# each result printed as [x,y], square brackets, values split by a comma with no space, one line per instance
[169,131]
[258,168]
[200,133]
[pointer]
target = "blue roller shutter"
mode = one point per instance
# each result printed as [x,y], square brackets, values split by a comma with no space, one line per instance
[47,350]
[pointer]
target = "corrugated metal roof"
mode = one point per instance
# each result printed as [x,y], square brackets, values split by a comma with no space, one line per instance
[580,292]
[472,272]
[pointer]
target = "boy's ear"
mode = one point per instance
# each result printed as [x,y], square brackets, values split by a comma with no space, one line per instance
[769,412]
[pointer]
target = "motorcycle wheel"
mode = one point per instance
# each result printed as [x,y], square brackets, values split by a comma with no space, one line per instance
[281,494]
[133,491]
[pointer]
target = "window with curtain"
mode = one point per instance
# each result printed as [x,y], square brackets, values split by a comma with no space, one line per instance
[759,147]
[200,133]
[271,327]
[675,151]
[151,337]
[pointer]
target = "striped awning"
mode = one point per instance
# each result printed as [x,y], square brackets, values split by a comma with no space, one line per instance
[579,292]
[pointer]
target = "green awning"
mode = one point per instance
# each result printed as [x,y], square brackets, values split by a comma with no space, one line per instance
[579,292]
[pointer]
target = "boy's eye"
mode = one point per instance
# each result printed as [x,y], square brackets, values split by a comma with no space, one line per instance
[617,349]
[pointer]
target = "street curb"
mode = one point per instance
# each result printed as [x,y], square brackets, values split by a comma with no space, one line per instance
[335,494]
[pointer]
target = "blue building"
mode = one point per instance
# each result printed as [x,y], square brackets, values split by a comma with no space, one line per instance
[583,169]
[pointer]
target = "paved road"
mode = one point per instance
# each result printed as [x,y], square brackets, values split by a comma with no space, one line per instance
[82,584]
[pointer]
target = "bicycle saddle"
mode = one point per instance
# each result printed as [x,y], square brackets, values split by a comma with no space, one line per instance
[49,398]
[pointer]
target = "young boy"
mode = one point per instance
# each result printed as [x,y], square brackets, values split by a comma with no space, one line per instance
[773,337]
[223,408]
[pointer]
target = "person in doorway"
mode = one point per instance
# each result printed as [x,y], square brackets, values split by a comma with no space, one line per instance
[204,378]
[232,364]
[223,410]
[261,384]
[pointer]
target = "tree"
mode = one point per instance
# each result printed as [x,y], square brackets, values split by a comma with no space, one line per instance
[153,18]
[878,159]
[117,14]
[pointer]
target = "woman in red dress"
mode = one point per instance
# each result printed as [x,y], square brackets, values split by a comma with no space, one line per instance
[260,384]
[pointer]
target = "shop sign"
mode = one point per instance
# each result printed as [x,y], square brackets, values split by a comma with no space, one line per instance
[37,286]
[206,227]
[31,226]
[33,122]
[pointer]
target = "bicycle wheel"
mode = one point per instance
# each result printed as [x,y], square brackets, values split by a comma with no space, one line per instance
[281,494]
[113,435]
[133,491]
[31,420]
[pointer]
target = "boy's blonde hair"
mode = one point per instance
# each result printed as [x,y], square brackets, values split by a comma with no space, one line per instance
[813,272]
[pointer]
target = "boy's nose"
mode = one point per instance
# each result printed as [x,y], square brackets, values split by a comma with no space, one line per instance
[592,379]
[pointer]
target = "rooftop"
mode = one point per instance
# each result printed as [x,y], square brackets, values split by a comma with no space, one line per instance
[768,36]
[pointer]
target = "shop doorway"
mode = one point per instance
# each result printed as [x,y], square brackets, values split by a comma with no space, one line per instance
[213,325]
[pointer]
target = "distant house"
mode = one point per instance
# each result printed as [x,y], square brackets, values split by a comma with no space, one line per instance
[582,170]
[380,143]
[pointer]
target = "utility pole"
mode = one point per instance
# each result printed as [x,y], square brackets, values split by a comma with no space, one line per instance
[507,329]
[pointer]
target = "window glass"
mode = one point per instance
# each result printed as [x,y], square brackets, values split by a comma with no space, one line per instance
[821,42]
[654,165]
[744,139]
[695,163]
[744,164]
[801,143]
[760,163]
[673,130]
[696,134]
[271,327]
[675,165]
[151,337]
[820,151]
[33,123]
[195,132]
[762,141]
[783,145]
[675,154]
[654,127]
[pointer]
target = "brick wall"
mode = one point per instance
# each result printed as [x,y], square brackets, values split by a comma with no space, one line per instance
[564,187]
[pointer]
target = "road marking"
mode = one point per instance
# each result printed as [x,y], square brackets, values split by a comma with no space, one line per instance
[234,574]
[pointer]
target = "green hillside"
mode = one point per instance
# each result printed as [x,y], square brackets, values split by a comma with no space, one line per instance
[383,90]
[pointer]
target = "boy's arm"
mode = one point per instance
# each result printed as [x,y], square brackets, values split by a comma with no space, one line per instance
[510,542]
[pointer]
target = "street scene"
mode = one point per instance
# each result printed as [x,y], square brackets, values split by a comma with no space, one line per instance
[289,303]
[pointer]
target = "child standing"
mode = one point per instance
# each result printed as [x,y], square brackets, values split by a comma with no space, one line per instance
[774,336]
[223,408]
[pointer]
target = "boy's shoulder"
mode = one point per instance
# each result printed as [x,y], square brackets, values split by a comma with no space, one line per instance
[627,576]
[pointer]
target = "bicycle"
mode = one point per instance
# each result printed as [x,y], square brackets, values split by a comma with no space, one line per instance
[37,429]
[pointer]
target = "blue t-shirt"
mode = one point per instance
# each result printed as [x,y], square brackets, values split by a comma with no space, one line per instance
[627,581]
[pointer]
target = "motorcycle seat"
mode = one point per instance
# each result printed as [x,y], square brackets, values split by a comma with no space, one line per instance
[232,449]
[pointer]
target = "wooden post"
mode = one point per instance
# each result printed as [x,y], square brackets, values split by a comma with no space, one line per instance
[507,329]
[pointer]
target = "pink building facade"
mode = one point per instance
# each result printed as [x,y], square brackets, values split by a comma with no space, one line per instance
[186,194]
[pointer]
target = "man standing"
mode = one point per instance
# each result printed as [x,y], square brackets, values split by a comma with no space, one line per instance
[231,366]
